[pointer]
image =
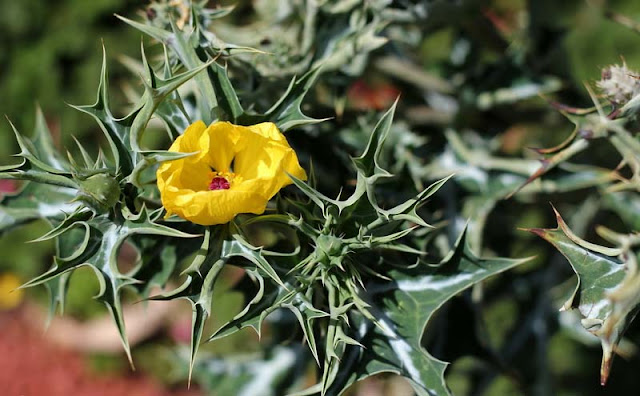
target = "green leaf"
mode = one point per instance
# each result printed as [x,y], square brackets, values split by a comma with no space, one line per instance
[156,91]
[240,248]
[58,285]
[26,171]
[286,112]
[368,173]
[158,260]
[39,151]
[57,288]
[268,298]
[36,201]
[401,309]
[316,196]
[43,147]
[116,130]
[184,44]
[228,102]
[198,286]
[407,210]
[368,167]
[99,248]
[273,372]
[151,158]
[171,110]
[70,220]
[306,314]
[368,163]
[599,278]
[39,162]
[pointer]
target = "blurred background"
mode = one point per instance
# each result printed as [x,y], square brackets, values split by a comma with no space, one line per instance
[51,54]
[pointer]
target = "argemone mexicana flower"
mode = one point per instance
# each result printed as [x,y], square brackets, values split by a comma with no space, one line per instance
[235,169]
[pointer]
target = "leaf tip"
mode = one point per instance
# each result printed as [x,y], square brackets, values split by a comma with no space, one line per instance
[191,363]
[541,232]
[607,360]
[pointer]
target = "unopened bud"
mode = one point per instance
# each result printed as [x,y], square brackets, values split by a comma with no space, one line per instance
[100,191]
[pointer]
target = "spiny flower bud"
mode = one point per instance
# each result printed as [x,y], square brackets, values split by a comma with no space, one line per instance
[100,191]
[619,84]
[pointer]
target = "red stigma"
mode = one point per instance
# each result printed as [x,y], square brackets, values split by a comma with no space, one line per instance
[219,183]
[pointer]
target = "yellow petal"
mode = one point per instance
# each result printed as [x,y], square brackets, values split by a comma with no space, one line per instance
[268,130]
[267,158]
[191,140]
[223,138]
[215,207]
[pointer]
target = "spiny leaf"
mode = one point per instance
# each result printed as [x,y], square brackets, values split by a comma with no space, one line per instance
[599,277]
[286,112]
[202,310]
[89,163]
[57,288]
[58,285]
[607,251]
[26,171]
[368,167]
[155,32]
[36,201]
[198,287]
[407,210]
[43,146]
[268,373]
[151,158]
[183,44]
[99,249]
[549,163]
[142,223]
[229,104]
[368,163]
[158,260]
[79,215]
[240,248]
[116,130]
[38,162]
[39,151]
[306,314]
[268,299]
[297,222]
[156,90]
[171,110]
[400,309]
[316,196]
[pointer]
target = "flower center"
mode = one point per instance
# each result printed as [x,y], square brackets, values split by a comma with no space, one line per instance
[219,183]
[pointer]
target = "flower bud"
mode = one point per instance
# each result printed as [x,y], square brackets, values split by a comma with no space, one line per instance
[100,191]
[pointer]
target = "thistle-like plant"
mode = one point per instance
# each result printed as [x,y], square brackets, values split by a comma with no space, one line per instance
[357,279]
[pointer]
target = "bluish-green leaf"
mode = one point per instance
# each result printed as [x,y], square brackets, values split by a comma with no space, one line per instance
[401,309]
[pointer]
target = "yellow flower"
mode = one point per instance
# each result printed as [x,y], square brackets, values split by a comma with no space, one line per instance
[235,169]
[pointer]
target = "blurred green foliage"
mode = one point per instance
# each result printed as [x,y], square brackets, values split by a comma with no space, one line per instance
[50,54]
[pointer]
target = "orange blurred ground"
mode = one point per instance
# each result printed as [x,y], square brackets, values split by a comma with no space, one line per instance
[32,366]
